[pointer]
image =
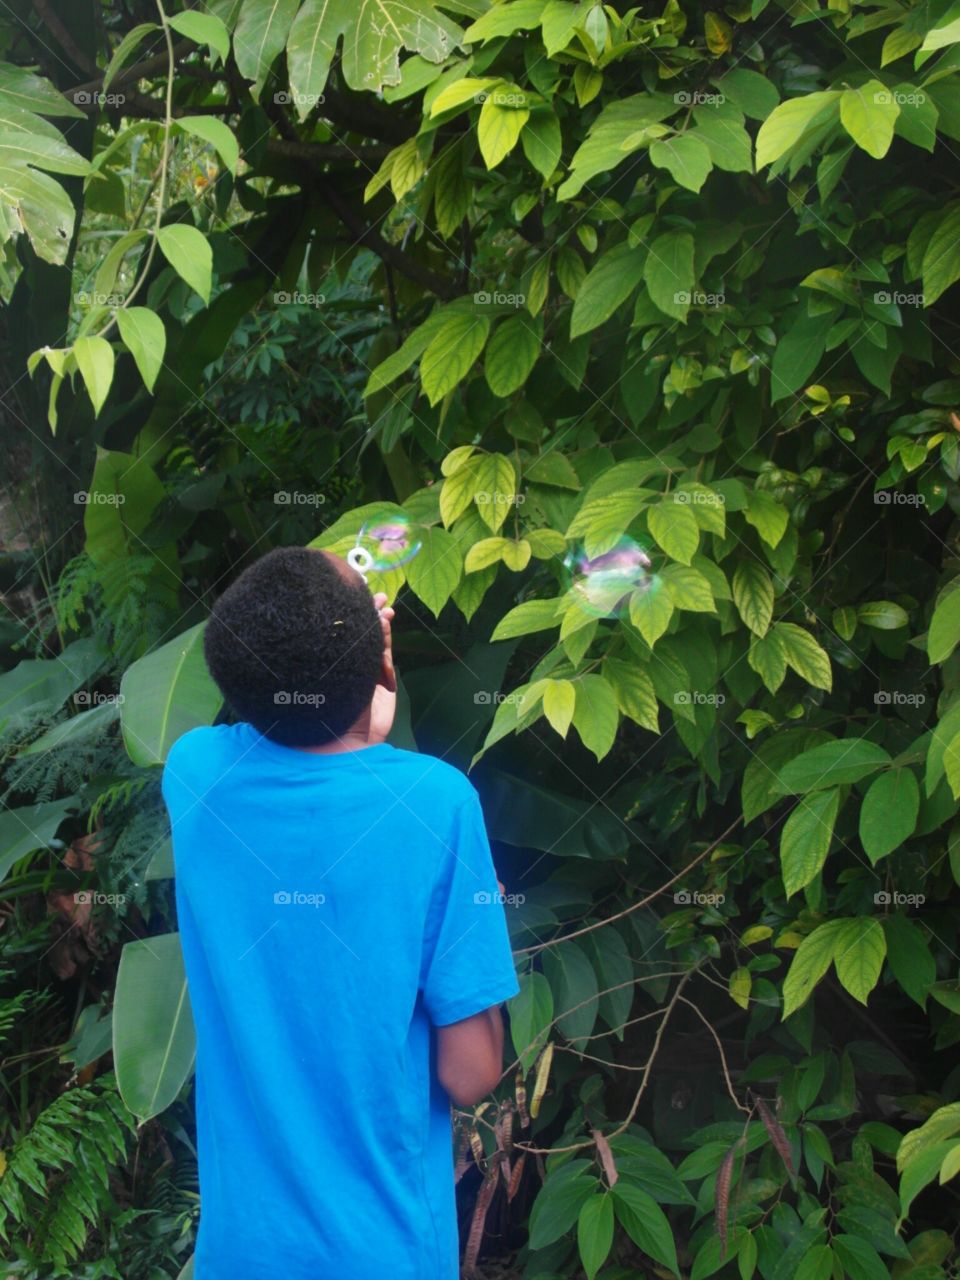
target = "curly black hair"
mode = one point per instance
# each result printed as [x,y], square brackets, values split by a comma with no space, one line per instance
[295,645]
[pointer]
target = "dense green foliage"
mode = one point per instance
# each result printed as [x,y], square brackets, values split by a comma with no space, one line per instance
[552,282]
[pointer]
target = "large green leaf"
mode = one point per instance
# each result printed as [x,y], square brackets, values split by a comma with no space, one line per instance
[595,1233]
[645,1223]
[675,528]
[858,954]
[531,1016]
[28,828]
[753,595]
[608,283]
[669,273]
[42,685]
[451,352]
[41,207]
[574,983]
[831,764]
[153,1036]
[189,253]
[595,715]
[786,124]
[806,837]
[888,815]
[811,962]
[260,35]
[165,693]
[686,157]
[869,113]
[433,574]
[511,353]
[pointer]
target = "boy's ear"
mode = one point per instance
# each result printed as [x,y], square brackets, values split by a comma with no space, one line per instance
[388,676]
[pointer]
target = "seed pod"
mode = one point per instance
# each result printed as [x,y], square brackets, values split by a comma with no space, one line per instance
[777,1136]
[540,1084]
[506,1139]
[479,1218]
[521,1092]
[515,1177]
[476,1145]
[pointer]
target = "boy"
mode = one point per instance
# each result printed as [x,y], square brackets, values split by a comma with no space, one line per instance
[345,948]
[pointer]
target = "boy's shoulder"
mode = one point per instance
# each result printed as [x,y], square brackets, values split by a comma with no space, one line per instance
[194,746]
[435,775]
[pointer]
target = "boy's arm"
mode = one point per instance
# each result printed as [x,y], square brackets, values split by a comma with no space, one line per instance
[470,1056]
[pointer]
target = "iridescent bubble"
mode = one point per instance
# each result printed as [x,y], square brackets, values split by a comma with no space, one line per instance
[603,584]
[385,544]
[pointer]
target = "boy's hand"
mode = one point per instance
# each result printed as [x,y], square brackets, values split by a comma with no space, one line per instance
[384,705]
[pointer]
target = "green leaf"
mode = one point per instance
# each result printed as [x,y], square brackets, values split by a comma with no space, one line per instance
[511,354]
[645,1223]
[832,764]
[261,33]
[768,517]
[435,571]
[611,280]
[675,529]
[166,693]
[596,716]
[807,658]
[76,729]
[145,338]
[650,613]
[601,522]
[753,595]
[203,28]
[541,140]
[559,1202]
[941,258]
[868,114]
[944,633]
[30,827]
[669,273]
[685,157]
[859,1258]
[859,951]
[595,1233]
[499,126]
[188,252]
[559,701]
[888,815]
[504,20]
[909,957]
[126,49]
[766,657]
[726,139]
[574,982]
[524,619]
[797,355]
[687,588]
[95,361]
[805,840]
[754,94]
[810,963]
[17,146]
[786,124]
[634,692]
[40,686]
[451,352]
[883,615]
[153,1036]
[214,131]
[496,488]
[531,1015]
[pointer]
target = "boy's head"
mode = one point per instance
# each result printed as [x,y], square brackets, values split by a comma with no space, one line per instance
[296,646]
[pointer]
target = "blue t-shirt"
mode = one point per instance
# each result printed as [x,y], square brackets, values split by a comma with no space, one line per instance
[332,909]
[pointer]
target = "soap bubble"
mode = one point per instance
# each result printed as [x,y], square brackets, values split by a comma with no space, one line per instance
[385,544]
[602,585]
